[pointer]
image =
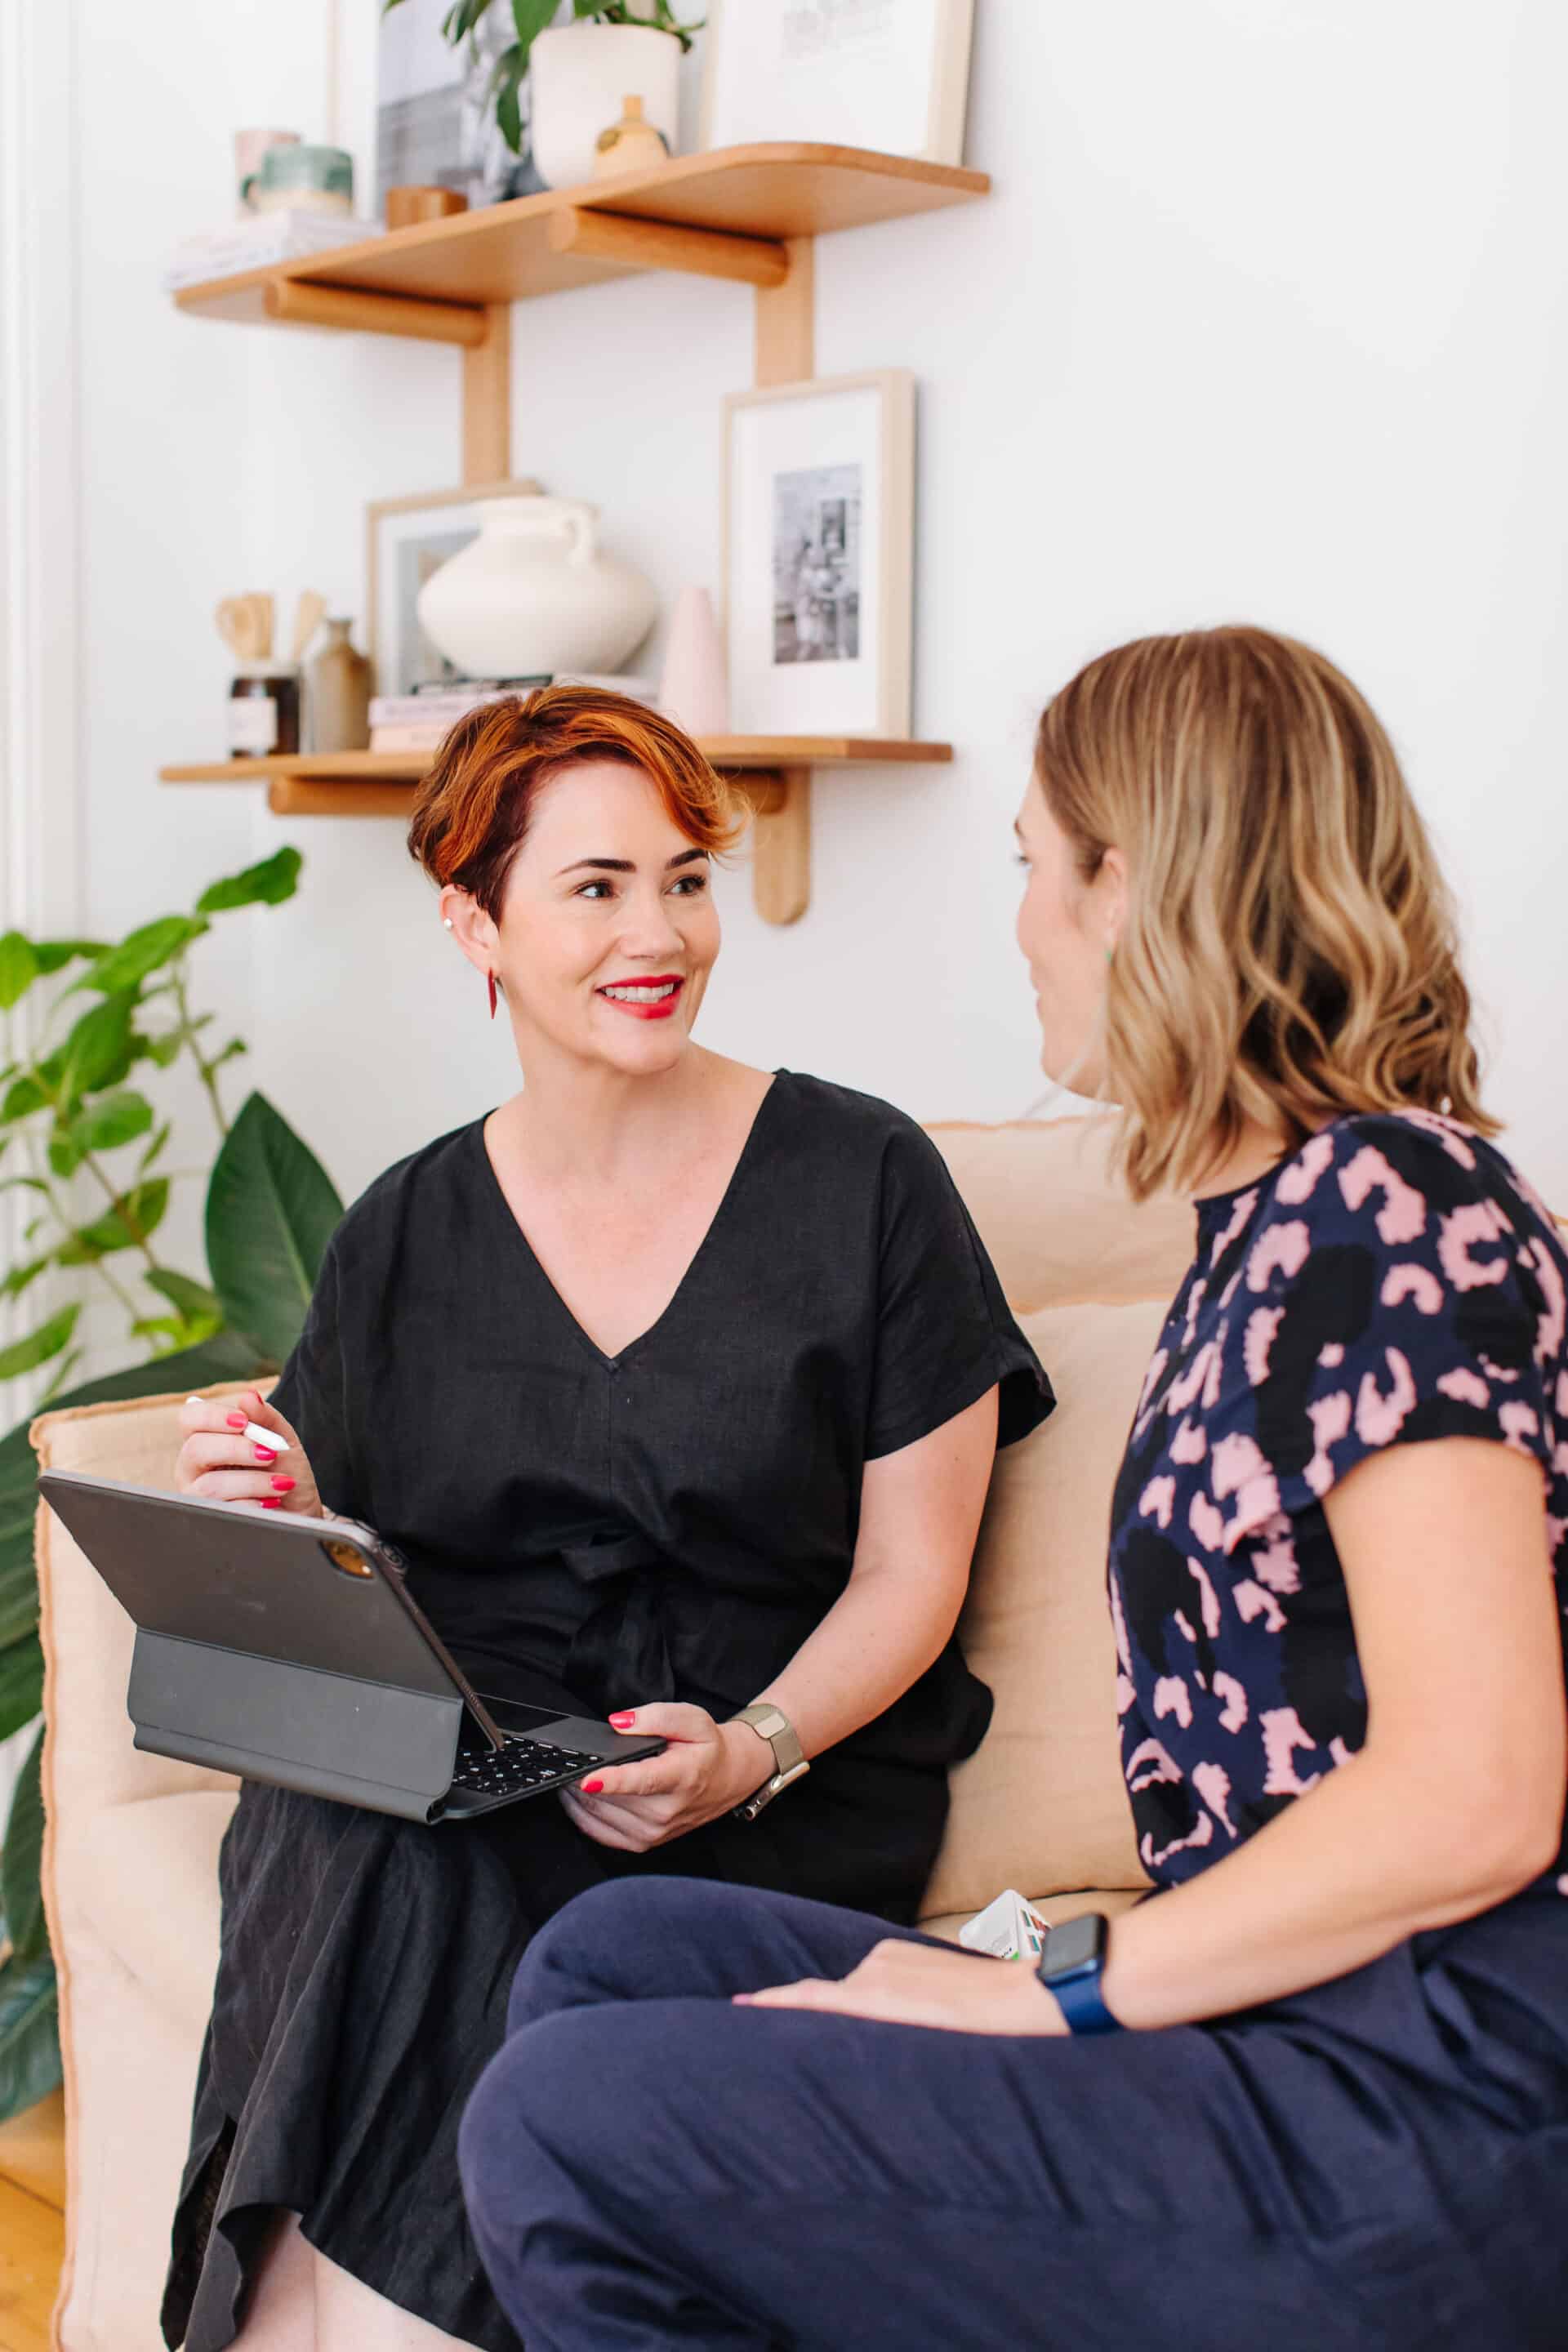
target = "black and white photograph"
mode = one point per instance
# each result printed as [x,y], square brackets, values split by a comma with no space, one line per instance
[816,564]
[818,535]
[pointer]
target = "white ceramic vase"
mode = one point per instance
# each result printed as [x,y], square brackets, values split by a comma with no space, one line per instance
[694,690]
[533,592]
[581,77]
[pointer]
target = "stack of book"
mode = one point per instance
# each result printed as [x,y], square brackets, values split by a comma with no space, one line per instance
[262,242]
[421,721]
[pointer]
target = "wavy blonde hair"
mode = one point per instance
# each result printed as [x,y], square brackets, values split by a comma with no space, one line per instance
[1289,953]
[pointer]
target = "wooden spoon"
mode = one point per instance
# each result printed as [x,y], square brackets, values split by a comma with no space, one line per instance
[233,625]
[307,617]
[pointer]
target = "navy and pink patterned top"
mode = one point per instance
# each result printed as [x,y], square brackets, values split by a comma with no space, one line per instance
[1394,1281]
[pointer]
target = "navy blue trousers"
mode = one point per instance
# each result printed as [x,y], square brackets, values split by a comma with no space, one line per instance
[1378,2166]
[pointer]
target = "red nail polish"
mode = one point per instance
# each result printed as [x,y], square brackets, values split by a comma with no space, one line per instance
[592,1788]
[272,1502]
[234,1420]
[282,1485]
[625,1721]
[265,1454]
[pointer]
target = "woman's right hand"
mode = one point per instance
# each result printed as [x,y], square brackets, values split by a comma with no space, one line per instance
[218,1461]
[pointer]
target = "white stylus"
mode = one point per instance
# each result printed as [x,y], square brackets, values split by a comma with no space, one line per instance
[257,1434]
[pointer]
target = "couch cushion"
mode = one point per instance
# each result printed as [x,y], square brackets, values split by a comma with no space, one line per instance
[153,1866]
[1042,1804]
[1057,1224]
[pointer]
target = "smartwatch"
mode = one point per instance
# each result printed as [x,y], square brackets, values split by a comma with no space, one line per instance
[1070,1965]
[789,1756]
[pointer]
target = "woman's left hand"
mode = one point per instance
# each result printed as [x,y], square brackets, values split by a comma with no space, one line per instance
[706,1768]
[919,1984]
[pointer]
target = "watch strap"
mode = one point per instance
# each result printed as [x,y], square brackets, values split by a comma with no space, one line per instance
[789,1756]
[1075,1987]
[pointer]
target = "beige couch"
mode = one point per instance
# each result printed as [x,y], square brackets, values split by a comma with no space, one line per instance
[130,1857]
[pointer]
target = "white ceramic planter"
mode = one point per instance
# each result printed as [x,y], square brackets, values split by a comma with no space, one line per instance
[533,593]
[581,77]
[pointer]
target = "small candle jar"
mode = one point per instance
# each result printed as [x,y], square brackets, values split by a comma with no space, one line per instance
[263,710]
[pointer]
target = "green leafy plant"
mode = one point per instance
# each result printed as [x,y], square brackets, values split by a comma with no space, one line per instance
[68,1120]
[532,18]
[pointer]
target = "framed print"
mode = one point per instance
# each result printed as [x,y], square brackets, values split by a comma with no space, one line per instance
[893,75]
[819,548]
[409,539]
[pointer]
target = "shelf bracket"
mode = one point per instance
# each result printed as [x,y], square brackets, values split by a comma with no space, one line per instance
[299,303]
[487,400]
[660,245]
[781,840]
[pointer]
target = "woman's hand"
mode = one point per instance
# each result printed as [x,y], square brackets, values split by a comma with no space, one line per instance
[219,1462]
[705,1769]
[917,1984]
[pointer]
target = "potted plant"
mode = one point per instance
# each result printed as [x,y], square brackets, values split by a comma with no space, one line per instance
[583,72]
[84,1146]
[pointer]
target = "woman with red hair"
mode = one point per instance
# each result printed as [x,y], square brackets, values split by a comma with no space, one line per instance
[676,1384]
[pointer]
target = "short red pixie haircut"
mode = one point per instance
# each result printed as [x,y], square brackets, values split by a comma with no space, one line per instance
[471,812]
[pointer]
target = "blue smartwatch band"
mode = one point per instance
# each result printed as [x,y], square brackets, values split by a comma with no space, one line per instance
[1070,1965]
[1078,1997]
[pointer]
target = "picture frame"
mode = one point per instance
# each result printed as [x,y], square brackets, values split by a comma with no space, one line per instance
[818,555]
[406,538]
[889,75]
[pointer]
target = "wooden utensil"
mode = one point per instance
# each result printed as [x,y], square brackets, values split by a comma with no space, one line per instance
[307,617]
[261,626]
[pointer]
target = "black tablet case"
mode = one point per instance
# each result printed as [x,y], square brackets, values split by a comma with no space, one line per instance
[271,1657]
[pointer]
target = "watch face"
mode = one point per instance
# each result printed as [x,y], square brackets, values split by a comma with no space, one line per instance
[1077,1944]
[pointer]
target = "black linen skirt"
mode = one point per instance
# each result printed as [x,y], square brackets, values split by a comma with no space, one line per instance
[362,1990]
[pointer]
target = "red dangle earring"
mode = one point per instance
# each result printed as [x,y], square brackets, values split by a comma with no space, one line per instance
[490,984]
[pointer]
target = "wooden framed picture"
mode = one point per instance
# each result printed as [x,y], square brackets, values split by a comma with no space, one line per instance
[408,538]
[818,552]
[891,74]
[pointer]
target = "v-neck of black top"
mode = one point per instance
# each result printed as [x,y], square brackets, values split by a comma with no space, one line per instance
[491,1186]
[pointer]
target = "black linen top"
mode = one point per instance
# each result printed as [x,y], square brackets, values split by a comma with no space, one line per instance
[671,1522]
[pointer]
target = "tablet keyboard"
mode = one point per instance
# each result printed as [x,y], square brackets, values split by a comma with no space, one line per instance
[521,1765]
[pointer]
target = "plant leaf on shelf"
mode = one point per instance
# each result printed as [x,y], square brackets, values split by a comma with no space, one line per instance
[271,1209]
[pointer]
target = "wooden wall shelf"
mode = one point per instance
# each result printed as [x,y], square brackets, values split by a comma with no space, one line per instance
[750,215]
[744,198]
[774,770]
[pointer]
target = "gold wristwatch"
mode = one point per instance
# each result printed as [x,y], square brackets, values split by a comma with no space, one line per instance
[789,1756]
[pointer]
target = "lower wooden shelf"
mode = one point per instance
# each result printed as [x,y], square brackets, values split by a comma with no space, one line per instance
[774,770]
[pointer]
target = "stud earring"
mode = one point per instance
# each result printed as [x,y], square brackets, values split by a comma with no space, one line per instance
[447,922]
[490,981]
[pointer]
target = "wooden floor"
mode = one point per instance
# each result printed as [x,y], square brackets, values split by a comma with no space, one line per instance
[32,2224]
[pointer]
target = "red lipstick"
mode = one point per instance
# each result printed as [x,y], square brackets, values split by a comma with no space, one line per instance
[642,1007]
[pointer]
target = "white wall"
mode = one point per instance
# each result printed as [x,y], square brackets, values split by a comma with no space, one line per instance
[1264,320]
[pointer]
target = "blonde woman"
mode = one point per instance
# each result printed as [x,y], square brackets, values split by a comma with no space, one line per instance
[1315,2092]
